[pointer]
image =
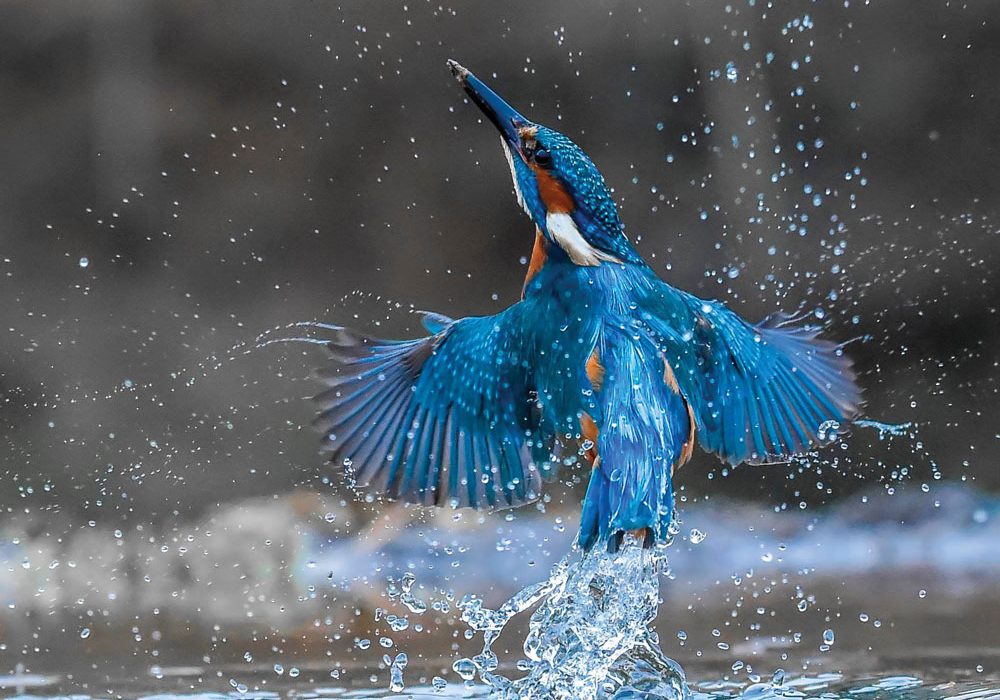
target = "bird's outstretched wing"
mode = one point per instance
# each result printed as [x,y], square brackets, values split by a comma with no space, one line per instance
[759,393]
[445,419]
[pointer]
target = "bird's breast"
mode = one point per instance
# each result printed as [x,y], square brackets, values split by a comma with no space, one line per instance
[539,255]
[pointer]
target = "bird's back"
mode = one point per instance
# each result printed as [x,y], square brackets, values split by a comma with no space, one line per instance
[635,423]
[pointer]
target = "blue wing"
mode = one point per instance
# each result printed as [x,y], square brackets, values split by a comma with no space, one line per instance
[450,418]
[760,393]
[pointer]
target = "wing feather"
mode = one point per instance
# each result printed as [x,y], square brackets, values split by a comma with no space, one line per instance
[435,420]
[760,393]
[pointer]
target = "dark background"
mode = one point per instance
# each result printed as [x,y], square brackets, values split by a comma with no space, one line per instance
[229,168]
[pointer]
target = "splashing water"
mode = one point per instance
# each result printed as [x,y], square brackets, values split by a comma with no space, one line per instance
[590,638]
[890,429]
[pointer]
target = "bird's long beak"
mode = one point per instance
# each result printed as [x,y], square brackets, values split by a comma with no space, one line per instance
[504,117]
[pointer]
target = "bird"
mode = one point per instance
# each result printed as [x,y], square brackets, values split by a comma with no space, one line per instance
[600,363]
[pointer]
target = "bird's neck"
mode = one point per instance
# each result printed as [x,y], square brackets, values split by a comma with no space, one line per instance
[551,270]
[564,233]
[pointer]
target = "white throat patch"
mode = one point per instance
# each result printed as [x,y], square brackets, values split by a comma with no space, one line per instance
[513,175]
[560,225]
[568,236]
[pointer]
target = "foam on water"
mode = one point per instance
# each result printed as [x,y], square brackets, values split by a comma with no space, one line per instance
[589,639]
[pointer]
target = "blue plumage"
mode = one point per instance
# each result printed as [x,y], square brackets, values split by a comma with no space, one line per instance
[760,393]
[644,431]
[599,358]
[438,420]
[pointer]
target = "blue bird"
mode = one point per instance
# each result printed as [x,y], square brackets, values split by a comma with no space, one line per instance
[599,361]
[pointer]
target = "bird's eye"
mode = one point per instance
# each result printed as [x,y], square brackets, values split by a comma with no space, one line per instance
[543,158]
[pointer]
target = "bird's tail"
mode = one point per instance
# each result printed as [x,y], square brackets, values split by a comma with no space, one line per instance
[609,514]
[645,432]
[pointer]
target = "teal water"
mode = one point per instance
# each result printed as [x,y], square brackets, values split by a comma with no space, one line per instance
[827,686]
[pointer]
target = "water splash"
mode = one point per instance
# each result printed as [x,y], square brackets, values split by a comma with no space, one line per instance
[888,429]
[589,639]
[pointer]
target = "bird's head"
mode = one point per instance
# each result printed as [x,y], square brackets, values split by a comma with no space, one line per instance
[556,183]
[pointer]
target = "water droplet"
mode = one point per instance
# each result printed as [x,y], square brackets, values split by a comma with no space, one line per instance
[464,668]
[84,262]
[827,430]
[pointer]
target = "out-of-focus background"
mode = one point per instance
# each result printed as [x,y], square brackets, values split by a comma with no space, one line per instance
[178,178]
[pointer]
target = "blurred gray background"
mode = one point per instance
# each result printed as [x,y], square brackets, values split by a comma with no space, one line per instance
[178,177]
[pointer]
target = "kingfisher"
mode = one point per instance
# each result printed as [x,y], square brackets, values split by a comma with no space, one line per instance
[600,362]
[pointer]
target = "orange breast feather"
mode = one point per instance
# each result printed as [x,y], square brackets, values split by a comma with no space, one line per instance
[538,258]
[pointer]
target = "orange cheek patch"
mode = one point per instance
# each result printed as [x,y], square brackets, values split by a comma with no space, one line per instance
[553,195]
